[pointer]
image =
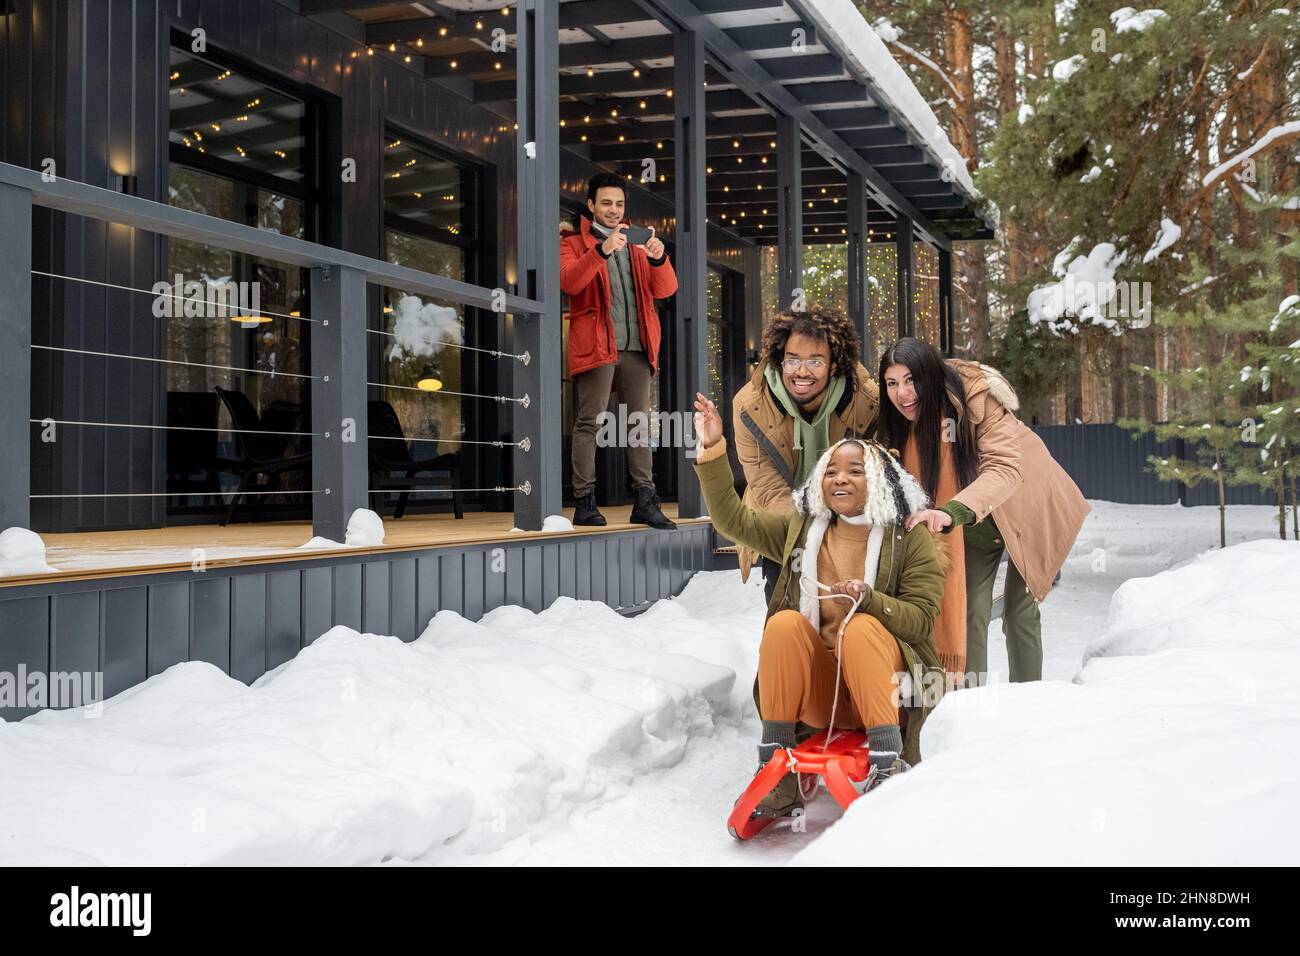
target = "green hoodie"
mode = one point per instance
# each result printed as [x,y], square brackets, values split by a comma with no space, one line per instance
[811,438]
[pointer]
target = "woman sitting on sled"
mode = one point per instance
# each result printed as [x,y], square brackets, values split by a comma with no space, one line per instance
[844,539]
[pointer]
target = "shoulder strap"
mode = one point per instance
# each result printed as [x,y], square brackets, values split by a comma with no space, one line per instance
[770,449]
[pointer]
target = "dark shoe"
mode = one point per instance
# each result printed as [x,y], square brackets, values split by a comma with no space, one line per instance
[647,510]
[586,513]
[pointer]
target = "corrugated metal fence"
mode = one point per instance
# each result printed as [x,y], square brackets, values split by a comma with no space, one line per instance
[1109,463]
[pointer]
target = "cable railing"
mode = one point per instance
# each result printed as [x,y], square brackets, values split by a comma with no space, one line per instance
[331,365]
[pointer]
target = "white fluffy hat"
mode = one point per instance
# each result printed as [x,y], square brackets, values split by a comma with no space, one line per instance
[892,494]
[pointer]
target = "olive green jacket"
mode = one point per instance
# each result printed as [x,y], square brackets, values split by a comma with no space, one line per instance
[905,596]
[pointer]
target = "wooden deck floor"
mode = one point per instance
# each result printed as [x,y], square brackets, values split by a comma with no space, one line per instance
[106,553]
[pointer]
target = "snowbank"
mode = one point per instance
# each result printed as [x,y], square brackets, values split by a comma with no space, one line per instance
[1177,744]
[362,748]
[22,552]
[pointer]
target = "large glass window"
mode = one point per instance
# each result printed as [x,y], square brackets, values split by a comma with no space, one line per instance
[882,295]
[925,292]
[431,224]
[240,150]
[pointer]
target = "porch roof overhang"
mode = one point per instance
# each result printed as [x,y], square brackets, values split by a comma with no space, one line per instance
[815,60]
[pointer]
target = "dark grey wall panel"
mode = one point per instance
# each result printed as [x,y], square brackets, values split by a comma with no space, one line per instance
[124,650]
[511,590]
[452,581]
[169,625]
[549,562]
[317,602]
[74,631]
[566,568]
[347,595]
[25,643]
[626,565]
[210,621]
[476,565]
[248,616]
[428,586]
[375,617]
[283,616]
[531,595]
[582,570]
[402,593]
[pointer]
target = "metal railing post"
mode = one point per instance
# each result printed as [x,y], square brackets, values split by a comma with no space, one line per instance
[692,332]
[537,468]
[16,355]
[340,452]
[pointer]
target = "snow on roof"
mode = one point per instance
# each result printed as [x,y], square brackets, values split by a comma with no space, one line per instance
[840,25]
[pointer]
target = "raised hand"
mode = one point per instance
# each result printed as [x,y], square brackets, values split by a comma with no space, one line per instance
[654,246]
[708,423]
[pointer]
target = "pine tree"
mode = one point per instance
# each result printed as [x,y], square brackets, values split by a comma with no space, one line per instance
[1239,423]
[1274,358]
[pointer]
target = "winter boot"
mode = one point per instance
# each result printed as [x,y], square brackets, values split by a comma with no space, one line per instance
[647,510]
[886,761]
[783,800]
[586,513]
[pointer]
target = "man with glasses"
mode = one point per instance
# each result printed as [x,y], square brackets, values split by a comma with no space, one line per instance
[808,392]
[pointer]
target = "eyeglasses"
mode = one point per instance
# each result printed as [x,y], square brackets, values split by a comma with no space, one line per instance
[812,364]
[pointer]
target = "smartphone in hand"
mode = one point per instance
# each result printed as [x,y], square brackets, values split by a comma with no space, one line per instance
[637,235]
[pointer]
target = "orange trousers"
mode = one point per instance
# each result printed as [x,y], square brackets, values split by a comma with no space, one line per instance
[796,673]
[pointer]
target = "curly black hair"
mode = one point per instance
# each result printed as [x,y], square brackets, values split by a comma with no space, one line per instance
[833,327]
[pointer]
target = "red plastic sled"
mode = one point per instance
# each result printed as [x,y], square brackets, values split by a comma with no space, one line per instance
[841,763]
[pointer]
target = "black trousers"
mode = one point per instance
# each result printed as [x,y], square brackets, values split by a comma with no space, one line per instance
[771,571]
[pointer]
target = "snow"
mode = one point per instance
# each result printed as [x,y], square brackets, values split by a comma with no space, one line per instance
[1286,129]
[423,329]
[1090,175]
[365,530]
[1175,744]
[1085,290]
[841,23]
[1170,232]
[1128,20]
[886,30]
[1026,111]
[579,736]
[1062,71]
[22,552]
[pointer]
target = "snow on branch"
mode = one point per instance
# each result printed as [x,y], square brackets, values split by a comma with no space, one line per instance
[1278,134]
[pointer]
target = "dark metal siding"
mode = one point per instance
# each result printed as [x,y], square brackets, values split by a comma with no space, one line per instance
[1109,463]
[247,620]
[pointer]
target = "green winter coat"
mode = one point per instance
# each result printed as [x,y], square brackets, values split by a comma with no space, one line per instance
[905,596]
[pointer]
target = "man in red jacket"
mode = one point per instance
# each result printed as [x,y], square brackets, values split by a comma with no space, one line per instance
[613,340]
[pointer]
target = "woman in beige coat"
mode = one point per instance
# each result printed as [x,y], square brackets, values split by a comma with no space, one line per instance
[956,420]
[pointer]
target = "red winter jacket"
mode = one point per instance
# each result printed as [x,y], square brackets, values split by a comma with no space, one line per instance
[585,279]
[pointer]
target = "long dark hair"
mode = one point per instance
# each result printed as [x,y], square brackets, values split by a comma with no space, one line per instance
[936,383]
